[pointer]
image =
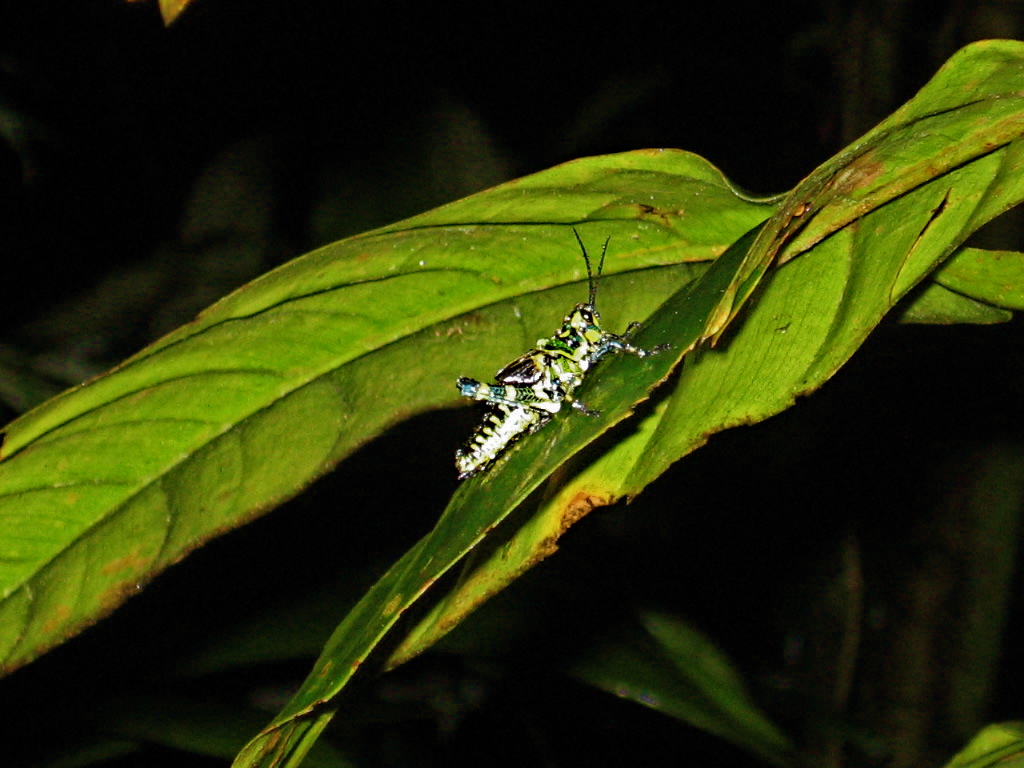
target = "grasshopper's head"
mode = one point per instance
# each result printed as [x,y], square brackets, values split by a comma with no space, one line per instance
[581,328]
[584,322]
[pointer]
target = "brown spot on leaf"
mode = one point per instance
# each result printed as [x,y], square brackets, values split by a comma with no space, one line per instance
[131,563]
[860,172]
[57,619]
[664,215]
[113,596]
[578,507]
[393,605]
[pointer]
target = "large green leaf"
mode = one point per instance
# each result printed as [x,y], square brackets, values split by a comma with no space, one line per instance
[476,509]
[869,226]
[1001,744]
[107,484]
[989,276]
[972,107]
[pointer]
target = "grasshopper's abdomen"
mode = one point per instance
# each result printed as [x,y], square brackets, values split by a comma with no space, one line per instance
[501,427]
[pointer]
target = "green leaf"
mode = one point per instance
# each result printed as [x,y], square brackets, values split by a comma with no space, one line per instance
[937,305]
[475,510]
[1001,744]
[971,108]
[109,483]
[195,727]
[815,314]
[819,308]
[869,225]
[624,381]
[993,277]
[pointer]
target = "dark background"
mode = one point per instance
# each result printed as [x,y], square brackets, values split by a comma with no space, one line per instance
[146,171]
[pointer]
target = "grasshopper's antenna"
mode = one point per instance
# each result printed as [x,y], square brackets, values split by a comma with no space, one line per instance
[591,280]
